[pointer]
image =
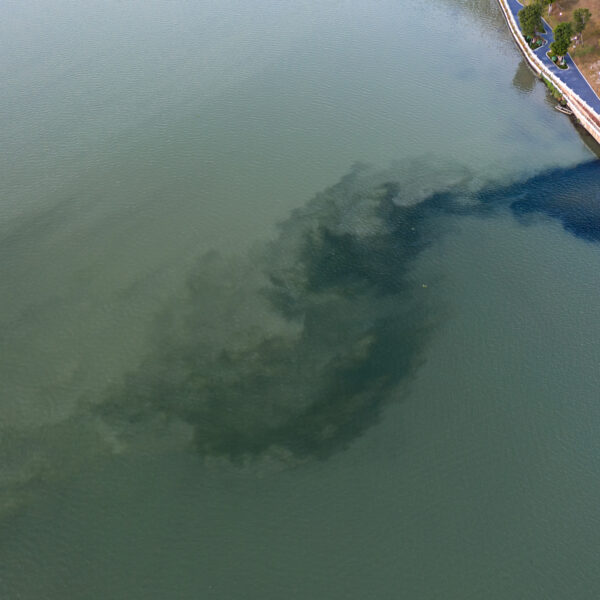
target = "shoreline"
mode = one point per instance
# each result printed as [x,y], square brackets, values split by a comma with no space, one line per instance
[587,116]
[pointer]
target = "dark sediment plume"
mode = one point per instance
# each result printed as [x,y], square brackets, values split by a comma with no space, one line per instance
[296,349]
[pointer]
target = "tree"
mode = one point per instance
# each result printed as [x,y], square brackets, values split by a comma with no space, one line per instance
[562,38]
[581,16]
[530,19]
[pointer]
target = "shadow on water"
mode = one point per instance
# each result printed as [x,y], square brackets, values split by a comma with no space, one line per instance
[524,79]
[592,145]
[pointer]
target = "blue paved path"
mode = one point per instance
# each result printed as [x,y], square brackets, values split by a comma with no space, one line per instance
[571,76]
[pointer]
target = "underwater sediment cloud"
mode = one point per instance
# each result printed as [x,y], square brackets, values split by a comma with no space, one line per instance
[296,349]
[570,196]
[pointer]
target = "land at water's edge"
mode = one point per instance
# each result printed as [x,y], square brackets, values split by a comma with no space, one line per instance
[585,52]
[575,89]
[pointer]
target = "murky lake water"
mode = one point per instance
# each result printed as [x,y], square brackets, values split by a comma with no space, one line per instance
[298,300]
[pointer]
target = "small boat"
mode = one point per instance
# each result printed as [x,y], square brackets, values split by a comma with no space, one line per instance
[563,109]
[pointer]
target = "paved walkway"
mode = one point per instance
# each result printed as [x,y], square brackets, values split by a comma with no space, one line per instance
[571,76]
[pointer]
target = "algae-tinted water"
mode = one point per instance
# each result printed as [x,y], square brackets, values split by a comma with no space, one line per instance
[297,301]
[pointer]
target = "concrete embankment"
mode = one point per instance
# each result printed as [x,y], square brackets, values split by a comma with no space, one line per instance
[585,114]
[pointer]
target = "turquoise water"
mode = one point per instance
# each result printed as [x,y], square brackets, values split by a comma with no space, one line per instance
[297,301]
